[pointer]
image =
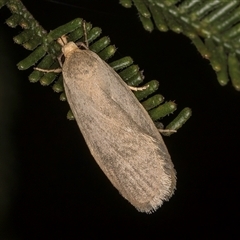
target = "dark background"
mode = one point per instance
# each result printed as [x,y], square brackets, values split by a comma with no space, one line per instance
[57,191]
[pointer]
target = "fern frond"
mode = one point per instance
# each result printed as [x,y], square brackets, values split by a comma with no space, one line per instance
[212,25]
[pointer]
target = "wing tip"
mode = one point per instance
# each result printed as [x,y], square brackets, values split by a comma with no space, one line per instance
[155,203]
[163,194]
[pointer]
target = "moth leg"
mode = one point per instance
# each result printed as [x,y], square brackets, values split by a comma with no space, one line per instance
[81,44]
[167,130]
[160,127]
[85,33]
[62,41]
[59,58]
[57,70]
[138,88]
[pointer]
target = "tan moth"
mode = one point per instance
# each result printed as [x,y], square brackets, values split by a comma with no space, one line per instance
[120,134]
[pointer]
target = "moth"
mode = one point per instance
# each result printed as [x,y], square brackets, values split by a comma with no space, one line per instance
[119,133]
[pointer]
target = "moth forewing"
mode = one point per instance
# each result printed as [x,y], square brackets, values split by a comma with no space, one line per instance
[118,131]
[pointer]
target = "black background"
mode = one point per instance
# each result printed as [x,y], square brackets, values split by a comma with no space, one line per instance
[60,192]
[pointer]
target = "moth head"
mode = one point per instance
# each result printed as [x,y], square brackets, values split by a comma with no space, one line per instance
[67,47]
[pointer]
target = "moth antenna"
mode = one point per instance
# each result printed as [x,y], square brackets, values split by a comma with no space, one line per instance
[62,40]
